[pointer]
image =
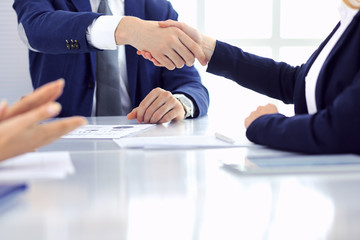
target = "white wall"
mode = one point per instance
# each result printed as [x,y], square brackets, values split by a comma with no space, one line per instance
[14,73]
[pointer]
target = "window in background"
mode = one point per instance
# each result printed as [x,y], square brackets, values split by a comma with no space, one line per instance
[285,30]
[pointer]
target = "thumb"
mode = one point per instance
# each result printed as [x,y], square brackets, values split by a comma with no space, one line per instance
[133,114]
[169,23]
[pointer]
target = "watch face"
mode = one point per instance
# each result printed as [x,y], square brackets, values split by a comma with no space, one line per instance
[187,104]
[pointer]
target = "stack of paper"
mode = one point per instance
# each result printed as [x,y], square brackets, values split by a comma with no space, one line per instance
[37,166]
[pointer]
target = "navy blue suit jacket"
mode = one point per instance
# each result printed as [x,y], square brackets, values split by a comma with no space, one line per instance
[335,128]
[50,23]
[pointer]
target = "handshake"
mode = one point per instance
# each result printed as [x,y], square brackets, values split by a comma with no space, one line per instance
[167,44]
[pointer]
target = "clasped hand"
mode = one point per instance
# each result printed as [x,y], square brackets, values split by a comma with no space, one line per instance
[167,43]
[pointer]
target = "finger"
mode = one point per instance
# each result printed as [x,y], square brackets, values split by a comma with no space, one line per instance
[176,56]
[165,61]
[158,114]
[26,121]
[145,103]
[47,93]
[3,107]
[169,23]
[145,54]
[132,115]
[191,45]
[40,114]
[194,48]
[162,104]
[247,122]
[186,54]
[170,116]
[49,132]
[156,63]
[148,56]
[171,109]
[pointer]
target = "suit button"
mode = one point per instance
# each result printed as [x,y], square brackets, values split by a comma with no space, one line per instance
[68,46]
[72,44]
[91,85]
[76,44]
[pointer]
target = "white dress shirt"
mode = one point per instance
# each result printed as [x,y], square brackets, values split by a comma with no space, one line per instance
[100,34]
[347,14]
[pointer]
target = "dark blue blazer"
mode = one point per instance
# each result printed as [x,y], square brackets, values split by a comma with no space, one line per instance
[335,128]
[51,24]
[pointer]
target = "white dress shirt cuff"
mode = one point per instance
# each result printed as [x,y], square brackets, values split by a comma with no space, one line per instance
[101,33]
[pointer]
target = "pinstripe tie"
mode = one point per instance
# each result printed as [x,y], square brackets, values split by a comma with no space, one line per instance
[108,101]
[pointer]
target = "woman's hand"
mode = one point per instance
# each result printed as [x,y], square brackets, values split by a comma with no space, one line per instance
[260,111]
[21,129]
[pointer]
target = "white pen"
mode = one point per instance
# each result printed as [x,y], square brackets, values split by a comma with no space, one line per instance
[224,138]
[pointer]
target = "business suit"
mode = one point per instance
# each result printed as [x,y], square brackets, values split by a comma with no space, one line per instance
[52,28]
[335,128]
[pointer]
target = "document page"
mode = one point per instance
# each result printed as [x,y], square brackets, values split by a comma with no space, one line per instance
[174,142]
[106,131]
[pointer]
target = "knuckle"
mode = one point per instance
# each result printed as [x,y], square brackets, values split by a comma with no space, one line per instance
[166,94]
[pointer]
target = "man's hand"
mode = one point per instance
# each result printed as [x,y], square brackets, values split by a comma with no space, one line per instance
[170,46]
[159,106]
[260,111]
[206,43]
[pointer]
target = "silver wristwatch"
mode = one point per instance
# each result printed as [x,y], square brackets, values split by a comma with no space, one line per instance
[187,104]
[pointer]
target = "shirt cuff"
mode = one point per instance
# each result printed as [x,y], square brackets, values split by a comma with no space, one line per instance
[101,33]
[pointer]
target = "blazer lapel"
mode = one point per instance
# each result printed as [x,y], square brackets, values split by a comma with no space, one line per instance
[300,97]
[134,8]
[321,79]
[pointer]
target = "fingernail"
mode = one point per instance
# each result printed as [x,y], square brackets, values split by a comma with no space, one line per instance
[60,81]
[54,108]
[3,105]
[84,121]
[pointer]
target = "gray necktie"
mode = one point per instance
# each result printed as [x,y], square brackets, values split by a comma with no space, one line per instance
[108,101]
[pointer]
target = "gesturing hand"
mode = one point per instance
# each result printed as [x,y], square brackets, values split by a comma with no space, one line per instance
[21,129]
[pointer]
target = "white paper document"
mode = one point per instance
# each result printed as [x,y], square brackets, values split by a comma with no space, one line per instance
[294,164]
[42,165]
[174,142]
[106,131]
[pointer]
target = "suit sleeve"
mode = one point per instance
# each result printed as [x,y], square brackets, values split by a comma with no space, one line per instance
[263,75]
[187,80]
[335,129]
[49,30]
